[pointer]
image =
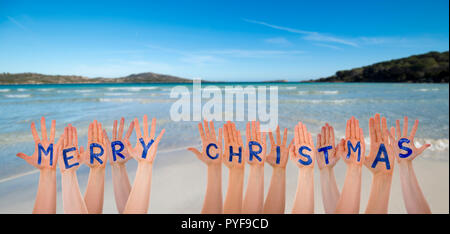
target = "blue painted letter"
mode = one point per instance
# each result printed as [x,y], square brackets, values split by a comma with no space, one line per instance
[94,155]
[254,153]
[278,154]
[207,151]
[407,149]
[300,151]
[235,154]
[117,151]
[385,159]
[46,152]
[354,149]
[325,152]
[67,158]
[145,147]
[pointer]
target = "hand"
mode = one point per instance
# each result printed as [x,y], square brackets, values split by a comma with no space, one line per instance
[409,141]
[303,143]
[95,155]
[326,139]
[211,155]
[44,161]
[118,137]
[353,154]
[254,137]
[233,139]
[68,147]
[272,157]
[148,153]
[381,147]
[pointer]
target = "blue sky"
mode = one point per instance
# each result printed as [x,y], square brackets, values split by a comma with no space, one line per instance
[216,40]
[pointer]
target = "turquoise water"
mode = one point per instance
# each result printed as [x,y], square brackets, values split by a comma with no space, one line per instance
[313,104]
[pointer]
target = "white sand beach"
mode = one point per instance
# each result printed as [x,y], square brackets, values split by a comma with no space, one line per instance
[179,182]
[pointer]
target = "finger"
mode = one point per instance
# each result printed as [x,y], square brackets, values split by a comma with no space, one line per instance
[23,156]
[393,132]
[114,134]
[70,134]
[319,140]
[300,133]
[248,135]
[161,134]
[272,140]
[278,135]
[121,126]
[397,124]
[353,128]
[357,129]
[196,152]
[253,129]
[43,129]
[130,130]
[284,137]
[385,129]
[372,130]
[212,131]
[75,136]
[207,133]
[258,132]
[236,138]
[90,134]
[421,149]
[66,137]
[95,131]
[347,129]
[378,127]
[310,140]
[327,134]
[332,136]
[153,129]
[34,133]
[202,133]
[100,132]
[405,126]
[219,139]
[137,128]
[239,138]
[322,136]
[414,129]
[226,134]
[52,131]
[296,135]
[145,127]
[230,133]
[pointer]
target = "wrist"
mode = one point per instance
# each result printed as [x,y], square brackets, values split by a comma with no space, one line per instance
[405,164]
[279,170]
[48,171]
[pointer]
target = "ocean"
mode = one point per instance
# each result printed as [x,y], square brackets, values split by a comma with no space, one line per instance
[312,103]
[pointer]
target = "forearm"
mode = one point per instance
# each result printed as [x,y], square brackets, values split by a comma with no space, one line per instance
[379,194]
[330,191]
[121,184]
[304,197]
[213,197]
[233,199]
[254,196]
[413,197]
[46,195]
[93,196]
[276,196]
[139,198]
[349,200]
[73,202]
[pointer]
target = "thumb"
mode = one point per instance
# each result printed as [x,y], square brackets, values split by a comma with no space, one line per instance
[195,151]
[421,149]
[22,156]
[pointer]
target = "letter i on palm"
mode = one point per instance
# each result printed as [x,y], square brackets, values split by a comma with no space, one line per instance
[279,152]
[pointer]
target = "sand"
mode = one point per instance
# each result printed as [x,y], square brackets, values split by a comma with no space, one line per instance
[179,183]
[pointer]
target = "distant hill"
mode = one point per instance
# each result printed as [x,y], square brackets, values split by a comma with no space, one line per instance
[35,78]
[431,67]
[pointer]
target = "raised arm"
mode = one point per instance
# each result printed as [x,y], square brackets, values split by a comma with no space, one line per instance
[233,159]
[255,156]
[211,156]
[44,158]
[118,155]
[277,158]
[144,153]
[69,160]
[353,156]
[406,152]
[303,154]
[327,157]
[380,162]
[95,157]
